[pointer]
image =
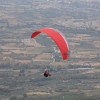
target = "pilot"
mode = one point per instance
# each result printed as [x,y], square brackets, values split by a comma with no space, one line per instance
[46,74]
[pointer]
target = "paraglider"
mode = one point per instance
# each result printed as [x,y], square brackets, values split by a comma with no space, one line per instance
[58,38]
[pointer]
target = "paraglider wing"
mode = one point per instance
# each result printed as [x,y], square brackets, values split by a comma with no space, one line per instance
[57,37]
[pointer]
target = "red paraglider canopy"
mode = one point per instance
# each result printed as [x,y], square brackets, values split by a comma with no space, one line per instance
[57,37]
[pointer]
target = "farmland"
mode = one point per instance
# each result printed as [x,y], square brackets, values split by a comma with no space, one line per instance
[23,60]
